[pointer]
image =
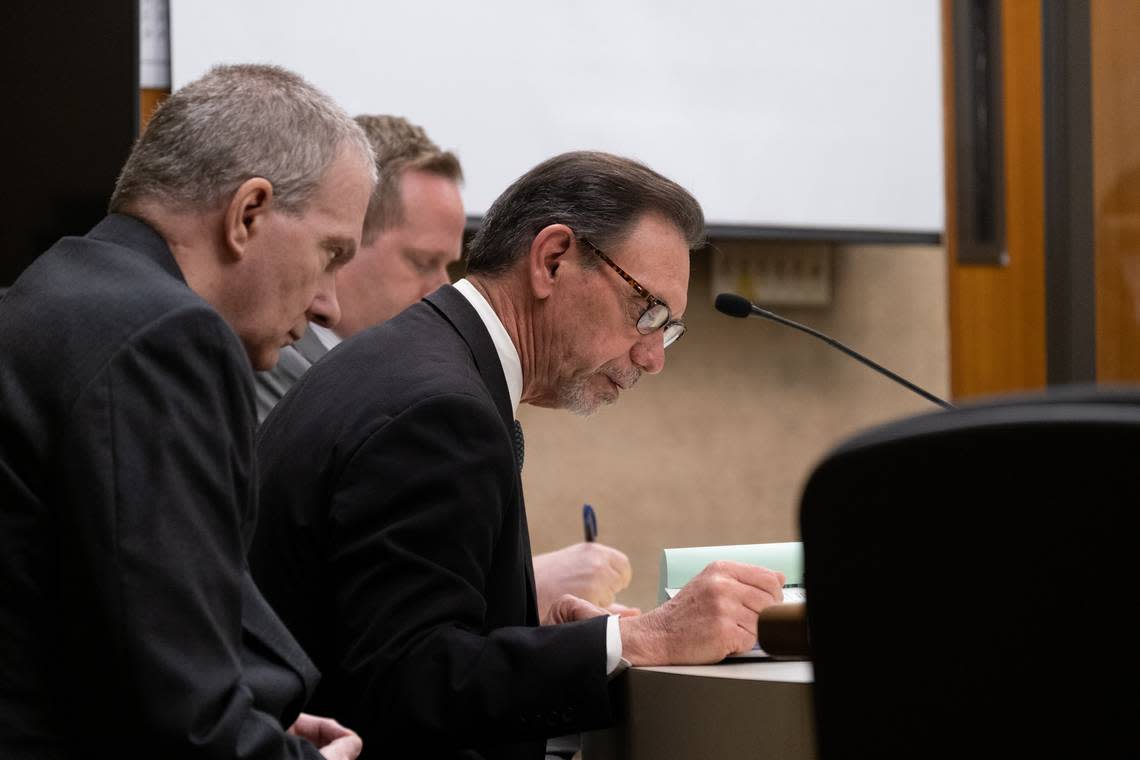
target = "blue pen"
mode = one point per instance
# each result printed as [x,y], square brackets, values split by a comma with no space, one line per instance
[589,523]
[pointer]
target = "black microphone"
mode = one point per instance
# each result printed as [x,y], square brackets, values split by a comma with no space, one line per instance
[739,306]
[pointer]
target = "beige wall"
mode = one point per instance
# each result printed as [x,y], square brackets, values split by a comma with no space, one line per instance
[717,448]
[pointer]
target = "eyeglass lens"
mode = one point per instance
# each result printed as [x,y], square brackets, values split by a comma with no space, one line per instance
[653,319]
[673,332]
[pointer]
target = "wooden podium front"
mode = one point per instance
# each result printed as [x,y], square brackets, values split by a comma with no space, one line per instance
[740,709]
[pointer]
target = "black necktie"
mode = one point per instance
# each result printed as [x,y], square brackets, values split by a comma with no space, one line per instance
[518,444]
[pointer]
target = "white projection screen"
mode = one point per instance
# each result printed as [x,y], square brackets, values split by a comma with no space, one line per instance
[810,115]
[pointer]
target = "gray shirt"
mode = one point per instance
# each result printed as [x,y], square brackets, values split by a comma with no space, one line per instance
[293,362]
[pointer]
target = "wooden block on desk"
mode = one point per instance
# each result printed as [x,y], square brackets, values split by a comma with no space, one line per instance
[783,631]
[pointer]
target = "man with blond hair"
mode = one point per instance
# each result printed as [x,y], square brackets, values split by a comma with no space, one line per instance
[413,230]
[129,624]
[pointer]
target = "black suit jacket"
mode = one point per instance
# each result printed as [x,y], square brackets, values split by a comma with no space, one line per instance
[129,624]
[389,489]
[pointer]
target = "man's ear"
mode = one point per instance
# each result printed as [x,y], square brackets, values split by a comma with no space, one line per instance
[245,214]
[545,257]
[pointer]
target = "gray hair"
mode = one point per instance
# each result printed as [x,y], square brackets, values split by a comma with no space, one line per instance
[232,124]
[598,195]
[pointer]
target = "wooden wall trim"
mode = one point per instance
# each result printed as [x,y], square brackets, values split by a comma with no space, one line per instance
[149,100]
[1116,186]
[997,314]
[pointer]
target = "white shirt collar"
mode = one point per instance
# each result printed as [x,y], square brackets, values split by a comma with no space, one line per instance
[327,337]
[508,354]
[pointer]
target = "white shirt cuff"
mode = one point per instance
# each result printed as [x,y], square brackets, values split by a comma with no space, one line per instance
[613,647]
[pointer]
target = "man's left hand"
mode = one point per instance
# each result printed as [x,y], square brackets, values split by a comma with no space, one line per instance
[569,608]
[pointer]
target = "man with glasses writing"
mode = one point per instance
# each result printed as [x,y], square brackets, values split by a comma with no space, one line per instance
[411,520]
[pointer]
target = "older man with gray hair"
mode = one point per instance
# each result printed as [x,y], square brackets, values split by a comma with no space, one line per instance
[390,479]
[412,231]
[129,624]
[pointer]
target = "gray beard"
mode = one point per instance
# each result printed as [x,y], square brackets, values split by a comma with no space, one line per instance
[575,396]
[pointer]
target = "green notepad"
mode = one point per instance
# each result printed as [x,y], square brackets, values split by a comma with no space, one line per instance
[678,566]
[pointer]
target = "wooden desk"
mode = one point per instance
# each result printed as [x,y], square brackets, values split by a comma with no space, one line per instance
[745,709]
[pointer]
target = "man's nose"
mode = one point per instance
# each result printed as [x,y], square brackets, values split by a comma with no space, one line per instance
[648,353]
[324,308]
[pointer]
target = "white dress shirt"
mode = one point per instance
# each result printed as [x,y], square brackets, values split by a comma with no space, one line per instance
[512,370]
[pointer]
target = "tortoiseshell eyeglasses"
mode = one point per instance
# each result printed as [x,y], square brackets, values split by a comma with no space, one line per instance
[656,315]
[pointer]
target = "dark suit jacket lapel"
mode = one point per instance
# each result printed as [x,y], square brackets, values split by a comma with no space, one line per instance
[457,310]
[463,317]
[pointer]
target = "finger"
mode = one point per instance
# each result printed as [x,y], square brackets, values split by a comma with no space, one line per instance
[746,639]
[755,600]
[620,563]
[307,727]
[332,730]
[760,577]
[319,730]
[747,618]
[615,579]
[344,748]
[747,585]
[585,609]
[555,614]
[614,583]
[612,565]
[568,608]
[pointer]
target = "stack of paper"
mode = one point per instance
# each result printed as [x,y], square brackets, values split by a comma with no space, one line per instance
[680,565]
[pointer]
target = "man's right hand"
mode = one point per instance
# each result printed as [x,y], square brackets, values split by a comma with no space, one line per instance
[591,571]
[334,741]
[713,616]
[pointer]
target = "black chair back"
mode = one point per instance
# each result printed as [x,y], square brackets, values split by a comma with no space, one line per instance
[972,582]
